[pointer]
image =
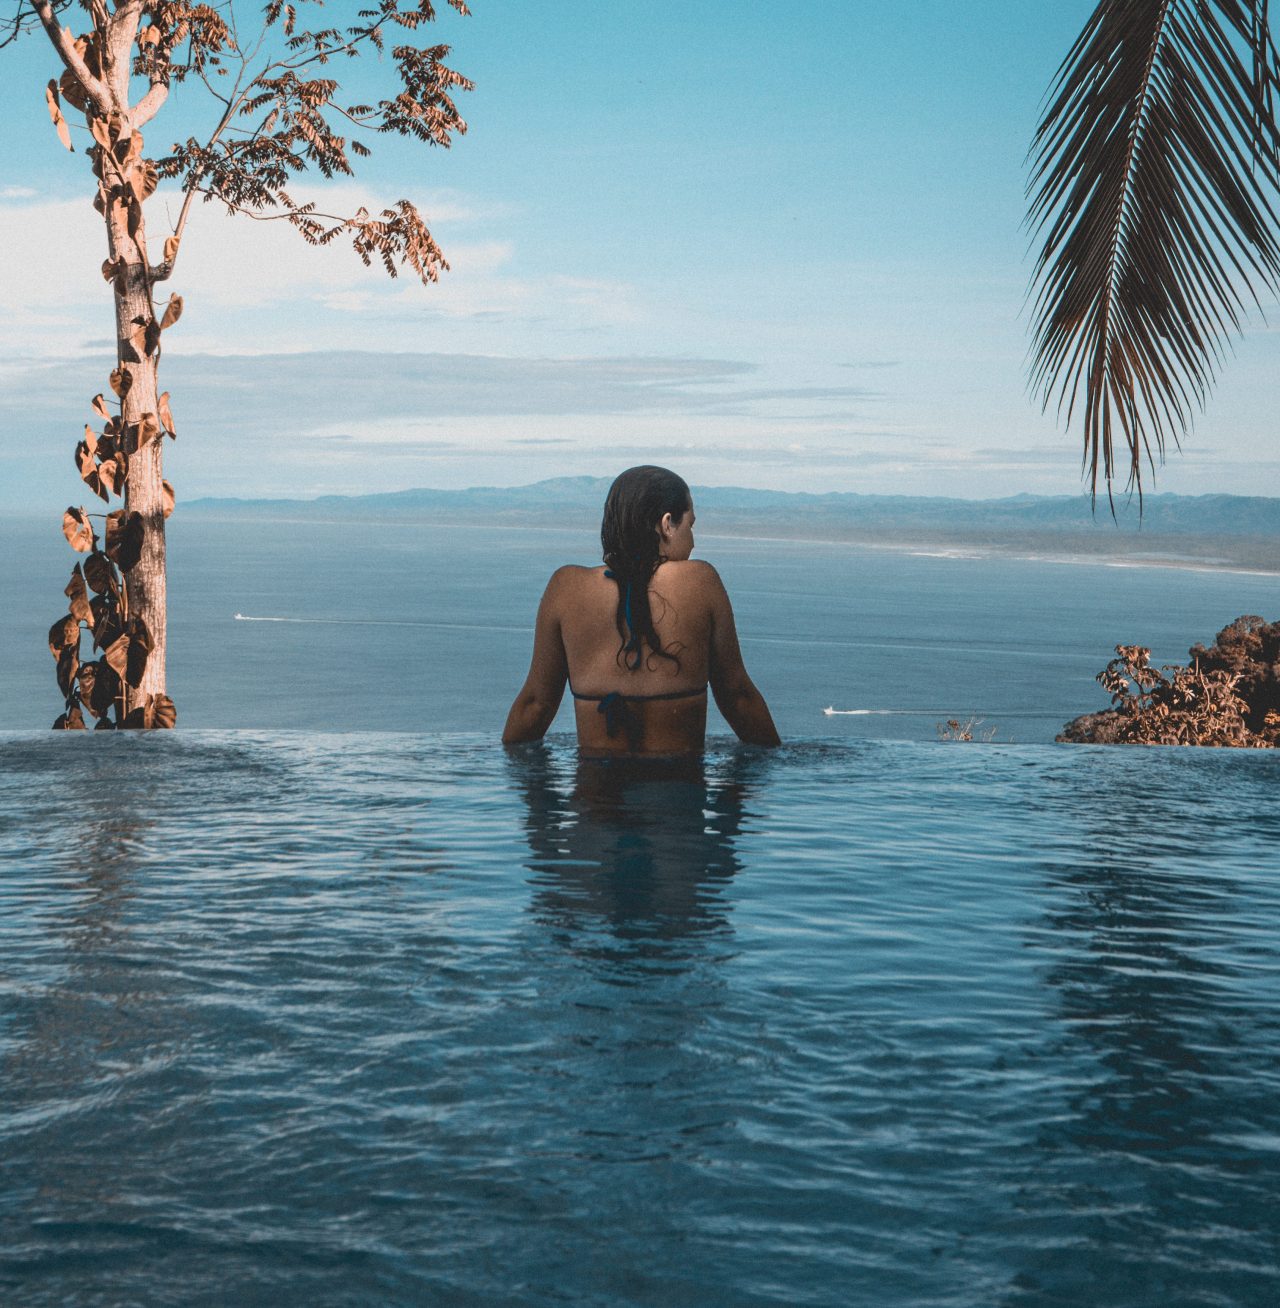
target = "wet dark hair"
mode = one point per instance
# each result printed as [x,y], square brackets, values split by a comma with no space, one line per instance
[633,509]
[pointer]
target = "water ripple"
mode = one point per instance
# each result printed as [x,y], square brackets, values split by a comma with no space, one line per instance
[393,1019]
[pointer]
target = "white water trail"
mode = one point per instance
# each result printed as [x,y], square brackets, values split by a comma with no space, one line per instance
[381,622]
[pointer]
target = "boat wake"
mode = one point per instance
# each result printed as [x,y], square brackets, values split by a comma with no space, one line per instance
[379,622]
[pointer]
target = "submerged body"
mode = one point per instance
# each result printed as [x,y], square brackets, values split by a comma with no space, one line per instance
[637,696]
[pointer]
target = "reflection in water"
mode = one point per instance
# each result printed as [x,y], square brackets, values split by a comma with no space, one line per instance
[643,848]
[1167,1031]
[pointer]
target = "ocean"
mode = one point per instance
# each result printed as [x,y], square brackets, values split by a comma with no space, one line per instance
[409,627]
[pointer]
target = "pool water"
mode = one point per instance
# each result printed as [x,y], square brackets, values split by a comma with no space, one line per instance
[395,1019]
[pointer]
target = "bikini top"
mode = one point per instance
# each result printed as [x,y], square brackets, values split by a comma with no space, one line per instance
[618,714]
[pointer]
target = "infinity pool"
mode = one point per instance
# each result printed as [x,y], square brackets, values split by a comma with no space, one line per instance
[388,1019]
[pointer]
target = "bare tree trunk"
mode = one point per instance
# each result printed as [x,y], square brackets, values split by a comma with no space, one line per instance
[145,583]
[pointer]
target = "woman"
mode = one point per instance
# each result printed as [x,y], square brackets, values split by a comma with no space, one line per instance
[639,639]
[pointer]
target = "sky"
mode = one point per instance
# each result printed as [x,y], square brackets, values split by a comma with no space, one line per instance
[776,245]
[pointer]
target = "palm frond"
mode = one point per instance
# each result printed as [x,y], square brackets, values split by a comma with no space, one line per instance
[1154,180]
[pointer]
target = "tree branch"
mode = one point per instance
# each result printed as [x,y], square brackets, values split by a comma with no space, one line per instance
[147,108]
[66,49]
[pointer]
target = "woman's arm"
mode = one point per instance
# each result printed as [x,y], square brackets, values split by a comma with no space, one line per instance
[535,706]
[735,693]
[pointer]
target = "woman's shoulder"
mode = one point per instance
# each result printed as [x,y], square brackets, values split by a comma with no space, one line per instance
[694,573]
[571,576]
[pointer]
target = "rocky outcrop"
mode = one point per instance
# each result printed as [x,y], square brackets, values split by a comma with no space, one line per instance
[1228,695]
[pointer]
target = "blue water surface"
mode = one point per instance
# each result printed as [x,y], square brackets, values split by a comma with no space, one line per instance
[406,626]
[403,1019]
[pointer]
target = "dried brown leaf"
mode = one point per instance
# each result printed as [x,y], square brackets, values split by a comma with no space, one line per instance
[99,687]
[106,472]
[76,528]
[100,575]
[64,632]
[126,549]
[78,597]
[72,92]
[68,666]
[139,651]
[171,248]
[147,429]
[167,500]
[157,713]
[71,720]
[162,711]
[166,413]
[142,178]
[117,655]
[172,312]
[121,380]
[115,525]
[55,112]
[100,407]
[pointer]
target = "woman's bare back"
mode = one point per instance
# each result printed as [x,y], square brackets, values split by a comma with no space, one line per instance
[577,641]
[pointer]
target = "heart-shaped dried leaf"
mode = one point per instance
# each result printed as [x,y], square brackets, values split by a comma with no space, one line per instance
[121,380]
[150,337]
[157,712]
[107,472]
[72,92]
[55,112]
[78,597]
[167,500]
[111,269]
[89,472]
[68,666]
[71,720]
[87,680]
[127,149]
[63,633]
[115,471]
[106,620]
[104,724]
[101,133]
[90,439]
[115,525]
[171,248]
[100,575]
[142,178]
[127,547]
[147,430]
[103,687]
[75,527]
[172,311]
[117,655]
[140,647]
[161,712]
[166,414]
[100,407]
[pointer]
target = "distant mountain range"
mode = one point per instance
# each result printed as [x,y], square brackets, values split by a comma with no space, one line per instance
[1235,530]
